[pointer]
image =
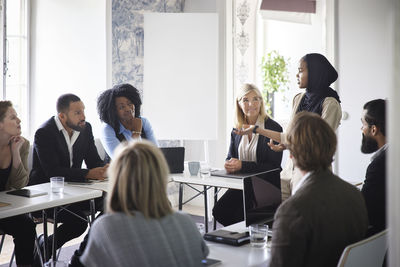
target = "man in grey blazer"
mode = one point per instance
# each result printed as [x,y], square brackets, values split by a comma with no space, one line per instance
[324,213]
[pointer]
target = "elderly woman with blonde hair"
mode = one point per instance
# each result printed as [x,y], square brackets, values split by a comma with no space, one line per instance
[140,227]
[247,153]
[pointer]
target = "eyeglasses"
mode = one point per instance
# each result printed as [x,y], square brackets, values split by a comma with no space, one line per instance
[255,100]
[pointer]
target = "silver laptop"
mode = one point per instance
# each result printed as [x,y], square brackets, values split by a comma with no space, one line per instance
[238,175]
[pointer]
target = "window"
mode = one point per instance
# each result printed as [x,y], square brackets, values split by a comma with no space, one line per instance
[15,56]
[293,35]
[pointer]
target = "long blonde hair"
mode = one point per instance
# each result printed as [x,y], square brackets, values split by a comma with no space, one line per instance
[138,176]
[240,117]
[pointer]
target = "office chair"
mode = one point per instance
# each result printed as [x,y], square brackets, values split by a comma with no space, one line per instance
[369,252]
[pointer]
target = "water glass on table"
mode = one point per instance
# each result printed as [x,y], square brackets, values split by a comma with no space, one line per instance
[258,235]
[57,184]
[205,171]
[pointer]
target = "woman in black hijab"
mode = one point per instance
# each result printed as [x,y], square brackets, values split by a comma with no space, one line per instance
[321,74]
[315,74]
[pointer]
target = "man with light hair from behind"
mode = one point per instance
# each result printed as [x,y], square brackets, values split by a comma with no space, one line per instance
[325,213]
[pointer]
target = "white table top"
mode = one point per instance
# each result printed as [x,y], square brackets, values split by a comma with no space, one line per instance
[21,205]
[98,185]
[245,255]
[217,181]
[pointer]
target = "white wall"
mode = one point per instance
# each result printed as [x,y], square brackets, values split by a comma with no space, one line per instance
[68,55]
[393,185]
[365,73]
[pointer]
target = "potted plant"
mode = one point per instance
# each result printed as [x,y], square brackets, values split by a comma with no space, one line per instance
[275,76]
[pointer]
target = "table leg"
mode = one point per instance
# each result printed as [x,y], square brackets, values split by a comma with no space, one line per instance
[45,236]
[205,209]
[215,201]
[54,247]
[180,196]
[92,211]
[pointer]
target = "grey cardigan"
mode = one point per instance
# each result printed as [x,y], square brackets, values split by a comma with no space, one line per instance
[118,239]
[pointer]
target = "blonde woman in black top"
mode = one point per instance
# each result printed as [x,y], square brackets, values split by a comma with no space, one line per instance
[247,153]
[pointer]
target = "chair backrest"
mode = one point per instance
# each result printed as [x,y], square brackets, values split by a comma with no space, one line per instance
[100,148]
[369,252]
[30,158]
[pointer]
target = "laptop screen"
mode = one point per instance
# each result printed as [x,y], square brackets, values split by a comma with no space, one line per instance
[175,157]
[261,197]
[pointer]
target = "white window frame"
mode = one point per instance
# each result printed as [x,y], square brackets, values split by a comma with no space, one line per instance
[25,94]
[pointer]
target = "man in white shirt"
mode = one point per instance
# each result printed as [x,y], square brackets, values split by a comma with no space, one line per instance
[325,213]
[61,145]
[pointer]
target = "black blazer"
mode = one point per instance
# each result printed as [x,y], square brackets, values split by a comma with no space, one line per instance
[51,156]
[374,191]
[267,159]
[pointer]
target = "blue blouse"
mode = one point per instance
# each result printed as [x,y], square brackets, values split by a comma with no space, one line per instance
[110,141]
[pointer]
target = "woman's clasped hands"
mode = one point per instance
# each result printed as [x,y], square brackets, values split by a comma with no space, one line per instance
[233,165]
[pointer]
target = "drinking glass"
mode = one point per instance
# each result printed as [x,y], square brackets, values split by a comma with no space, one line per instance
[258,235]
[57,184]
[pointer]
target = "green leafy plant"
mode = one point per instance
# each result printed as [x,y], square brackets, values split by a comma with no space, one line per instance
[275,76]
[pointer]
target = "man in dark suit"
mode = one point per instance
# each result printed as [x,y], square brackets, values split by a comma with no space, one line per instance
[374,140]
[61,145]
[324,213]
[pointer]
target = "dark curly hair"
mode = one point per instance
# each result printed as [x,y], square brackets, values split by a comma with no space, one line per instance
[106,103]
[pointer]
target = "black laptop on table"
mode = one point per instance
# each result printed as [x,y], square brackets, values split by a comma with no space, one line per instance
[261,198]
[175,157]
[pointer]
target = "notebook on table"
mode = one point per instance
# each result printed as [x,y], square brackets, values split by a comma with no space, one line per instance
[175,157]
[228,237]
[210,262]
[26,193]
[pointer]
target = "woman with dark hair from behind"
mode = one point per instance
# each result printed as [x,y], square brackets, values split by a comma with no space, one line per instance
[119,109]
[14,150]
[140,227]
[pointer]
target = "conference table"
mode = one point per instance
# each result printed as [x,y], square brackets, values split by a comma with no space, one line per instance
[12,205]
[215,182]
[76,192]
